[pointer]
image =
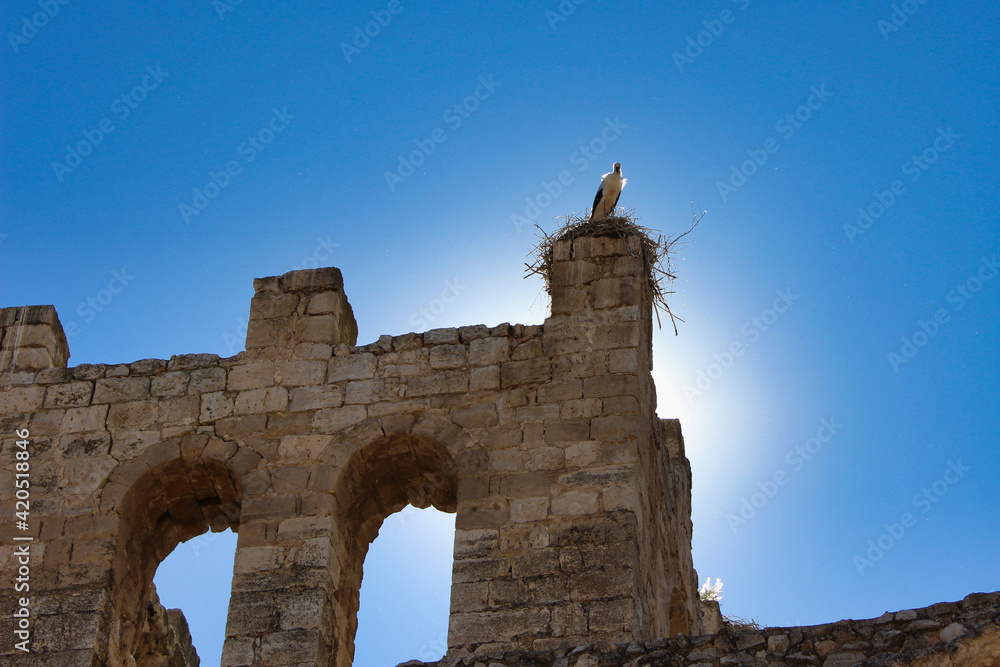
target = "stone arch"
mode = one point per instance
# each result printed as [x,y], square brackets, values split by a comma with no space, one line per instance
[165,503]
[378,480]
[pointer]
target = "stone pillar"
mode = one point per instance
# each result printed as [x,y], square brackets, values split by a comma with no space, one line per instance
[302,314]
[566,539]
[31,339]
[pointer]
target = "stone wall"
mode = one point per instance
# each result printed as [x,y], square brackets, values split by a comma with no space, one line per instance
[572,497]
[947,634]
[166,639]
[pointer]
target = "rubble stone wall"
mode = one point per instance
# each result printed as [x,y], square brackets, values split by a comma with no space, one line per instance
[947,634]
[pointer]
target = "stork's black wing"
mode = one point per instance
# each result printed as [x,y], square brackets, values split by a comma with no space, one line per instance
[597,199]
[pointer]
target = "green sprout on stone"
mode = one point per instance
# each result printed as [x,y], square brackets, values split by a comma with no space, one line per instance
[709,592]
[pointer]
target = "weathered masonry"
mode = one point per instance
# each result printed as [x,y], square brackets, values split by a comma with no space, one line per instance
[572,496]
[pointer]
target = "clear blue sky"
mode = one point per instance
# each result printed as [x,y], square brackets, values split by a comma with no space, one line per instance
[805,113]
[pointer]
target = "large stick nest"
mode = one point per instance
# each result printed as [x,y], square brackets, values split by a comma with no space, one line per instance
[656,250]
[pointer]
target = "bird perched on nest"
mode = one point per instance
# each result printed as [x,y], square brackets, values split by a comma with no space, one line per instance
[608,193]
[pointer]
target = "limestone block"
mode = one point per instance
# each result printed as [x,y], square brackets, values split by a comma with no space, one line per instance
[611,616]
[251,375]
[441,337]
[290,647]
[184,362]
[359,366]
[294,448]
[468,597]
[118,389]
[582,408]
[529,371]
[488,351]
[500,625]
[482,415]
[317,329]
[331,420]
[613,428]
[614,292]
[528,509]
[567,430]
[546,458]
[178,411]
[525,485]
[575,503]
[255,401]
[314,398]
[69,395]
[448,356]
[304,527]
[83,419]
[127,444]
[216,405]
[172,383]
[267,507]
[442,382]
[204,380]
[478,543]
[240,426]
[296,373]
[581,454]
[484,379]
[22,399]
[574,272]
[266,306]
[624,360]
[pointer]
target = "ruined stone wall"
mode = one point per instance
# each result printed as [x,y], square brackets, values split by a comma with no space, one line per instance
[572,497]
[947,634]
[166,639]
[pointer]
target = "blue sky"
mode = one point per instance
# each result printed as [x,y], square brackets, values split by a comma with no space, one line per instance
[840,350]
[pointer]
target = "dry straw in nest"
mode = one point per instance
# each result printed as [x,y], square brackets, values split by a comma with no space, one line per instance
[656,250]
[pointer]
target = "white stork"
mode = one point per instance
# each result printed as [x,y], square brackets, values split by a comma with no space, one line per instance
[608,193]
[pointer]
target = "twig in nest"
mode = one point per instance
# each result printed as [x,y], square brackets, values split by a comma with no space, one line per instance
[655,250]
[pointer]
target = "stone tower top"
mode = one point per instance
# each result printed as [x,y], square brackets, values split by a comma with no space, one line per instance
[300,314]
[32,339]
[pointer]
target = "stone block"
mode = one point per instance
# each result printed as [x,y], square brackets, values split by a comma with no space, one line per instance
[68,395]
[253,374]
[441,337]
[332,420]
[255,401]
[118,389]
[488,351]
[574,503]
[315,398]
[204,380]
[484,379]
[529,371]
[528,509]
[172,383]
[360,366]
[482,415]
[297,373]
[84,419]
[22,399]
